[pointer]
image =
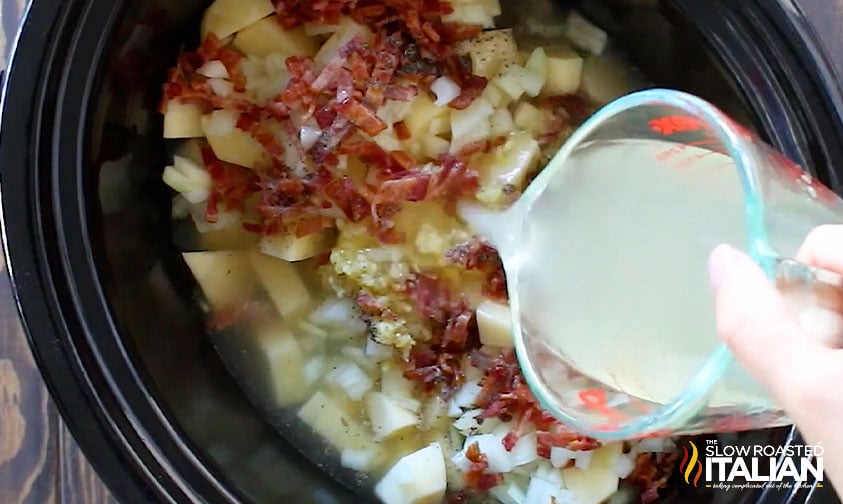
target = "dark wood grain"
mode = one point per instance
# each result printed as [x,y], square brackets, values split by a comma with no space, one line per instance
[39,461]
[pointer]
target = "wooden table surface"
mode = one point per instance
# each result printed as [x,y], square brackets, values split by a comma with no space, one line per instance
[39,461]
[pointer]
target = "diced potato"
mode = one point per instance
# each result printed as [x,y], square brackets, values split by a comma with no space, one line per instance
[439,126]
[183,120]
[494,321]
[491,52]
[333,423]
[496,96]
[502,122]
[606,77]
[398,388]
[564,71]
[283,284]
[531,119]
[267,36]
[225,17]
[422,113]
[470,14]
[345,33]
[435,146]
[235,146]
[599,481]
[225,277]
[511,85]
[387,417]
[289,247]
[234,238]
[418,478]
[284,361]
[510,163]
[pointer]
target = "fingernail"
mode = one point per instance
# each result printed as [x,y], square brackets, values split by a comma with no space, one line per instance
[723,264]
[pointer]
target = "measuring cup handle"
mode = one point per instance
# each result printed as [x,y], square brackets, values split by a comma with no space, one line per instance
[817,295]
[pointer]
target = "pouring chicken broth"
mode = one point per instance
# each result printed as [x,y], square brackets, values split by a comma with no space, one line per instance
[320,152]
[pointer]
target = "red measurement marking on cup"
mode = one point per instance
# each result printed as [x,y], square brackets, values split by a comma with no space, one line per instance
[596,400]
[670,125]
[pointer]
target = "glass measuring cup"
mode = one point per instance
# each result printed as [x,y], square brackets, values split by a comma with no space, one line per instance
[606,254]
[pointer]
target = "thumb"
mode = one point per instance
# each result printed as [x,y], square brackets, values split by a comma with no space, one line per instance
[755,322]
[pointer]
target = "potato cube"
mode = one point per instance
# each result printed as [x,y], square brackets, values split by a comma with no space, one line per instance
[422,114]
[333,423]
[387,417]
[289,247]
[283,362]
[491,52]
[564,72]
[283,284]
[182,120]
[225,17]
[418,478]
[267,36]
[226,277]
[494,322]
[235,146]
[597,483]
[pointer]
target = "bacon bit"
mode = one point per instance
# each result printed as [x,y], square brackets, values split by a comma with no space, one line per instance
[474,255]
[361,116]
[408,187]
[472,87]
[505,394]
[576,107]
[476,477]
[454,181]
[341,192]
[232,184]
[401,93]
[401,130]
[495,285]
[651,473]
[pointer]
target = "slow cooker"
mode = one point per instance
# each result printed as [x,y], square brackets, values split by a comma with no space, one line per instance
[108,305]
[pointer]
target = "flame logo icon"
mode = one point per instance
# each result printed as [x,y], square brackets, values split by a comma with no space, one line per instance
[691,465]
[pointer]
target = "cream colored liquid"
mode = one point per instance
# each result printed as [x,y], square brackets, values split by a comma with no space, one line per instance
[610,264]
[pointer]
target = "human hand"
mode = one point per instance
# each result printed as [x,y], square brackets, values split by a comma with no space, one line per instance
[803,373]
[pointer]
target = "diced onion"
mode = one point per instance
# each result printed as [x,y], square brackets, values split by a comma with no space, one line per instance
[541,492]
[491,446]
[582,459]
[213,70]
[653,445]
[446,90]
[313,369]
[336,312]
[377,351]
[221,87]
[309,135]
[351,379]
[559,457]
[468,394]
[468,422]
[525,450]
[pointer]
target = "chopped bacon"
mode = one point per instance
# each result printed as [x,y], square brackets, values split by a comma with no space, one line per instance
[401,93]
[651,473]
[411,186]
[361,116]
[401,130]
[472,87]
[505,394]
[475,254]
[232,184]
[341,192]
[368,304]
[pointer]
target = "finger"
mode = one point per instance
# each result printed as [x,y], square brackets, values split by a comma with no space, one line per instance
[823,248]
[753,320]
